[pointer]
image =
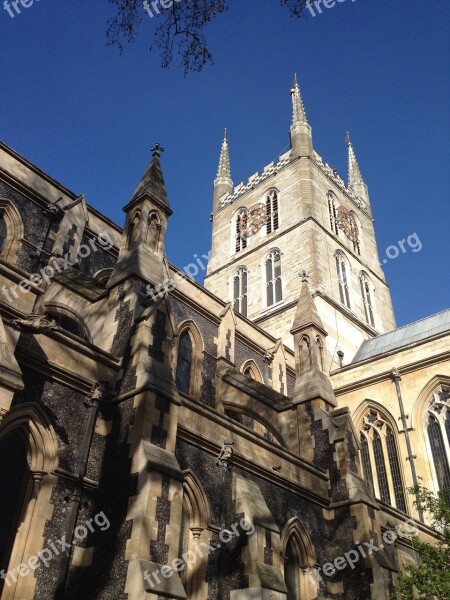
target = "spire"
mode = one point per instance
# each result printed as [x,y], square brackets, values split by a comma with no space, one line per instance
[309,334]
[298,110]
[306,314]
[355,181]
[354,173]
[152,183]
[300,132]
[223,184]
[224,170]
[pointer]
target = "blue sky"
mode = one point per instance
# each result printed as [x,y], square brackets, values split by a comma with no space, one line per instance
[88,115]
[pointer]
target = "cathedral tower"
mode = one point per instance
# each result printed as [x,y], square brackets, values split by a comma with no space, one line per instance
[299,215]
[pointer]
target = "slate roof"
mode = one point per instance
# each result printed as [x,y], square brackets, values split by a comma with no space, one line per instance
[404,336]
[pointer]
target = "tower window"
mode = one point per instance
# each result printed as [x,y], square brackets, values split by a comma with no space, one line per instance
[240,291]
[367,298]
[379,459]
[438,429]
[3,232]
[272,211]
[241,224]
[332,211]
[184,363]
[341,268]
[274,292]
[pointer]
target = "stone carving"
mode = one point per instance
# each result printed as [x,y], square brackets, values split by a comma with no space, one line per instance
[225,456]
[35,324]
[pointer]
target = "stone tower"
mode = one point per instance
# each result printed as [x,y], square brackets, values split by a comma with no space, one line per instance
[299,215]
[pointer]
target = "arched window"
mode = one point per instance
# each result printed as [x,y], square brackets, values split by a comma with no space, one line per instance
[291,572]
[15,478]
[241,224]
[319,349]
[367,298]
[355,239]
[184,363]
[68,324]
[274,290]
[240,291]
[298,553]
[133,229]
[438,430]
[251,370]
[3,231]
[272,211]
[332,212]
[153,231]
[379,459]
[342,274]
[195,524]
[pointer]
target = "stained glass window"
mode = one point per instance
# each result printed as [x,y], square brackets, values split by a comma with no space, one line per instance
[380,467]
[184,364]
[395,471]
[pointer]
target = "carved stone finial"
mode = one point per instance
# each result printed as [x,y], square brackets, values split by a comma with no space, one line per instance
[305,277]
[225,455]
[157,150]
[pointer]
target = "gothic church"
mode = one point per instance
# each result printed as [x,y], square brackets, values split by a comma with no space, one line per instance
[278,395]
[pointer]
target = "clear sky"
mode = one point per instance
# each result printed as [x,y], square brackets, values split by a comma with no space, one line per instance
[379,68]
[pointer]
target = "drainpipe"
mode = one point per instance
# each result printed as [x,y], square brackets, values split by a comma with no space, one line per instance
[93,403]
[395,375]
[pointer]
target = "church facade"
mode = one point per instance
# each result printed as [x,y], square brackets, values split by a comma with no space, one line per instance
[251,438]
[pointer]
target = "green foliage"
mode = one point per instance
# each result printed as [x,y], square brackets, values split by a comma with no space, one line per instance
[178,30]
[430,577]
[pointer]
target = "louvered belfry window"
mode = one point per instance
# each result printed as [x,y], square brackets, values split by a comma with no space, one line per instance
[240,291]
[272,211]
[274,291]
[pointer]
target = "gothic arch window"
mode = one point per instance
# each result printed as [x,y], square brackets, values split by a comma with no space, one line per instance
[28,458]
[189,355]
[356,240]
[272,211]
[3,231]
[153,231]
[68,322]
[438,432]
[241,224]
[240,280]
[133,229]
[332,212]
[195,523]
[184,363]
[250,369]
[11,230]
[274,284]
[298,554]
[342,269]
[320,352]
[367,298]
[14,492]
[379,458]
